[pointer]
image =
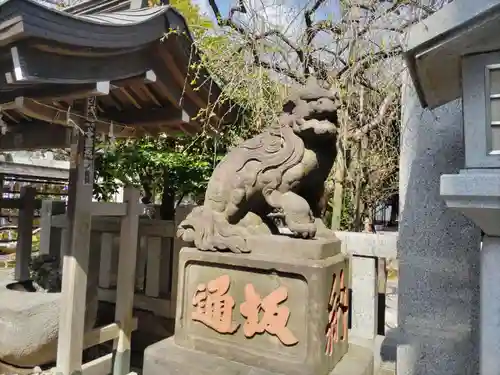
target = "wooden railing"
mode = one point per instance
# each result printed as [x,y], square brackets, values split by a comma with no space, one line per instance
[157,258]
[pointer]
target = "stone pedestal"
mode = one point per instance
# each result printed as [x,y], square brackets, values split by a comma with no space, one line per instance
[282,309]
[168,358]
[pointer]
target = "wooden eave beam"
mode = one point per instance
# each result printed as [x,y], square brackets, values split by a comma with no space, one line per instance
[149,117]
[169,86]
[190,128]
[169,121]
[149,76]
[57,92]
[64,92]
[178,56]
[35,134]
[35,65]
[37,110]
[176,79]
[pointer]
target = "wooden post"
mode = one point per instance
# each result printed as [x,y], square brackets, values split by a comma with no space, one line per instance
[382,275]
[125,284]
[65,238]
[140,269]
[382,290]
[25,233]
[106,263]
[165,269]
[2,183]
[76,257]
[154,257]
[50,237]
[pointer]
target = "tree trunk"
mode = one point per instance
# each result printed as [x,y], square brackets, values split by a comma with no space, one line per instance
[360,174]
[338,192]
[167,208]
[357,192]
[148,192]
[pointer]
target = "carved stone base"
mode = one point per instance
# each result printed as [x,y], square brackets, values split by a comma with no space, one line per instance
[167,358]
[273,309]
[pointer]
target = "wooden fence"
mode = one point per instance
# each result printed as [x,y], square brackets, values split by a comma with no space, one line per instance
[26,204]
[157,257]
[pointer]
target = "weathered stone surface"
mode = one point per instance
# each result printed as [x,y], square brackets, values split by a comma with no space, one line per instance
[167,358]
[28,326]
[29,323]
[283,247]
[438,311]
[278,174]
[357,361]
[301,346]
[365,297]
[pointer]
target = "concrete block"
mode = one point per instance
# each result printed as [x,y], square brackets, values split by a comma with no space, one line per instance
[364,297]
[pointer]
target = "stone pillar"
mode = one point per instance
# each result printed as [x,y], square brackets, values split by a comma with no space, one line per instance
[490,306]
[438,251]
[475,193]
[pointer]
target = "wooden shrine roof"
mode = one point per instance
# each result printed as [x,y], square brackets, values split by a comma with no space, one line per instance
[100,6]
[51,58]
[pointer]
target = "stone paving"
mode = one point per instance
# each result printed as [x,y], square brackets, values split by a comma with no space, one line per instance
[6,273]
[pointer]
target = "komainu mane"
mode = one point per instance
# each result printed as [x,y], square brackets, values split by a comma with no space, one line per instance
[280,172]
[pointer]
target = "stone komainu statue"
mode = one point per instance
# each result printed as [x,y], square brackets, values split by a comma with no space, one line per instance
[280,172]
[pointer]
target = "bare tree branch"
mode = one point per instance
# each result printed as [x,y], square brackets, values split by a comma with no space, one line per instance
[382,112]
[240,8]
[362,49]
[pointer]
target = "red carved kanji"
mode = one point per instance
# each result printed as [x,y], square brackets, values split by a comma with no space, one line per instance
[337,311]
[214,307]
[274,318]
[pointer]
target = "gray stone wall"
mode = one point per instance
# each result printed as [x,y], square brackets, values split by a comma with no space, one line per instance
[438,249]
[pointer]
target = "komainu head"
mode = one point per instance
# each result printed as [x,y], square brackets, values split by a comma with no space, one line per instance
[311,111]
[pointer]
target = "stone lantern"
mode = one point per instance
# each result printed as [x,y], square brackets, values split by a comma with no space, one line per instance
[456,53]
